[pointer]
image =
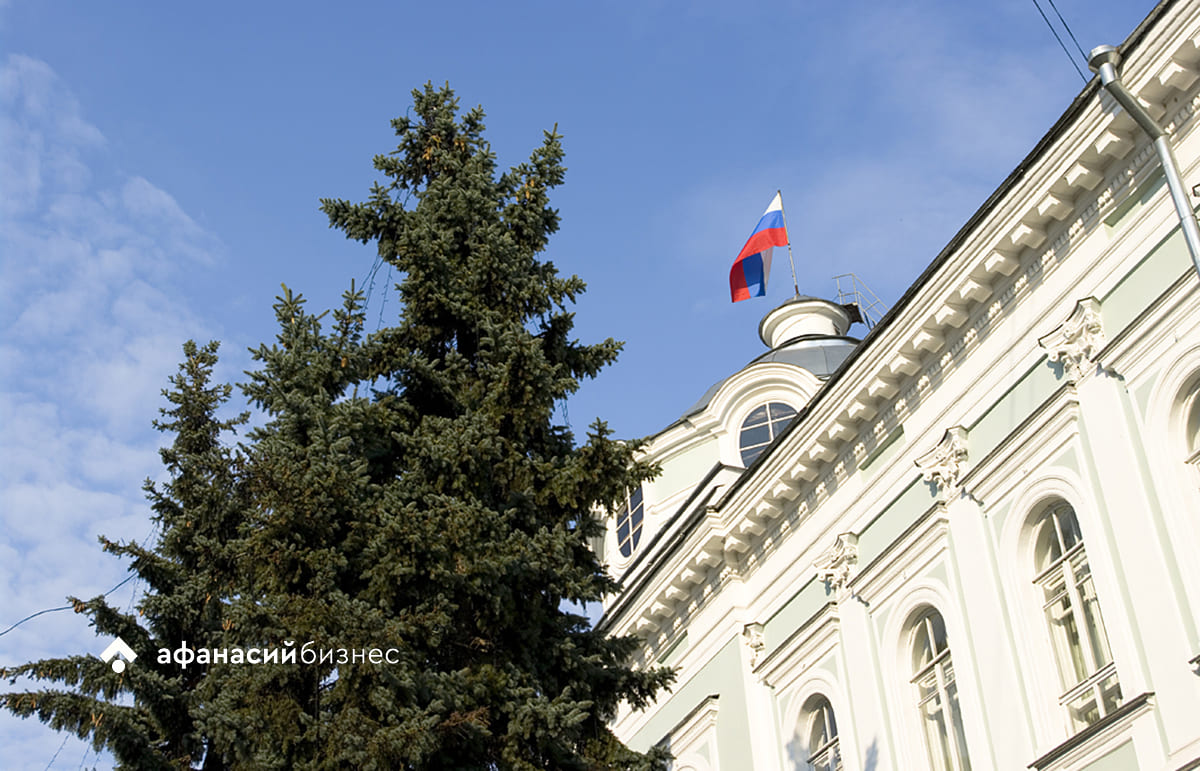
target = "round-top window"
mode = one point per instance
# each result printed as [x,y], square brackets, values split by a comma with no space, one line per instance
[761,427]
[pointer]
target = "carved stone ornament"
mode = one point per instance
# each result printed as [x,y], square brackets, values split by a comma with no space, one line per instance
[944,464]
[753,635]
[838,564]
[1077,342]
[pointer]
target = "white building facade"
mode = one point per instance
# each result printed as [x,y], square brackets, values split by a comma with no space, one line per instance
[970,540]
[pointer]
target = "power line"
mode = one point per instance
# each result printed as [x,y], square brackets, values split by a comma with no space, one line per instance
[1067,27]
[384,296]
[60,749]
[1061,44]
[64,607]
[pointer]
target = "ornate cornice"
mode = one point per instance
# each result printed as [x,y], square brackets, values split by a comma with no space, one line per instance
[1094,165]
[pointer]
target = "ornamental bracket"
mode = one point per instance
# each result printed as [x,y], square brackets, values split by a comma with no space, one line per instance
[1077,341]
[839,563]
[753,636]
[943,466]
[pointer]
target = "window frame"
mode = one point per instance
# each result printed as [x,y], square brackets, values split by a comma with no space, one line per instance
[828,755]
[774,426]
[1058,578]
[953,743]
[634,533]
[1190,414]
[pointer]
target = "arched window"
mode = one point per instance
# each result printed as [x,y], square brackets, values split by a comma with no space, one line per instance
[821,735]
[761,427]
[629,522]
[937,694]
[1085,665]
[1192,429]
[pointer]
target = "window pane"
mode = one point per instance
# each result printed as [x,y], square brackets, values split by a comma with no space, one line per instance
[1064,637]
[1084,709]
[922,649]
[936,737]
[1095,624]
[956,720]
[927,686]
[759,415]
[1193,424]
[828,759]
[1049,550]
[939,632]
[781,411]
[1110,693]
[1068,526]
[937,696]
[753,437]
[819,738]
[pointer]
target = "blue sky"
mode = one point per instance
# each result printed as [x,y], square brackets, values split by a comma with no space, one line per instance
[161,165]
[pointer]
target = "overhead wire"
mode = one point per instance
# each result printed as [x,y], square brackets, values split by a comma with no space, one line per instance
[1067,27]
[60,749]
[64,607]
[1057,37]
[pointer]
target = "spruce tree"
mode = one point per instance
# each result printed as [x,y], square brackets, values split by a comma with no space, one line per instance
[409,491]
[189,573]
[302,547]
[489,502]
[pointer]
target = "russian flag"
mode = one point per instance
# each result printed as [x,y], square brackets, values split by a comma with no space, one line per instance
[748,276]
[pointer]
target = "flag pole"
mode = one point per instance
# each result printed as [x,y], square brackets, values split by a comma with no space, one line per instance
[795,284]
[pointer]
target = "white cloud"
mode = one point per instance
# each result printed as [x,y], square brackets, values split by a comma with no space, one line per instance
[43,135]
[91,315]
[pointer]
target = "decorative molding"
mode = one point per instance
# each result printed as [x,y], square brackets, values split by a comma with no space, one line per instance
[793,658]
[838,564]
[1000,278]
[1078,340]
[695,736]
[1104,735]
[945,464]
[752,634]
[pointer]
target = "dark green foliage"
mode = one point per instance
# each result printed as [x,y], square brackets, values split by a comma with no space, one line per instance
[409,491]
[189,574]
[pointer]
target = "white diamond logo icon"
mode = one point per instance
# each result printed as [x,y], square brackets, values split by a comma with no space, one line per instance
[118,651]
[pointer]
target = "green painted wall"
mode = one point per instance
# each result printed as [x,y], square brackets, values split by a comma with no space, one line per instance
[997,517]
[803,605]
[1159,269]
[1136,202]
[1069,459]
[1018,403]
[1123,758]
[675,652]
[896,517]
[889,448]
[720,675]
[684,470]
[1141,394]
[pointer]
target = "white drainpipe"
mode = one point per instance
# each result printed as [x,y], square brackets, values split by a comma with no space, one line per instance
[1104,60]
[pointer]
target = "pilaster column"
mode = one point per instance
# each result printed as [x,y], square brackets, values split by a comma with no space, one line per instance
[1126,537]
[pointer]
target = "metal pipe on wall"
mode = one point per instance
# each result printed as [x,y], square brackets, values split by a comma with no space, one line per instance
[1103,60]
